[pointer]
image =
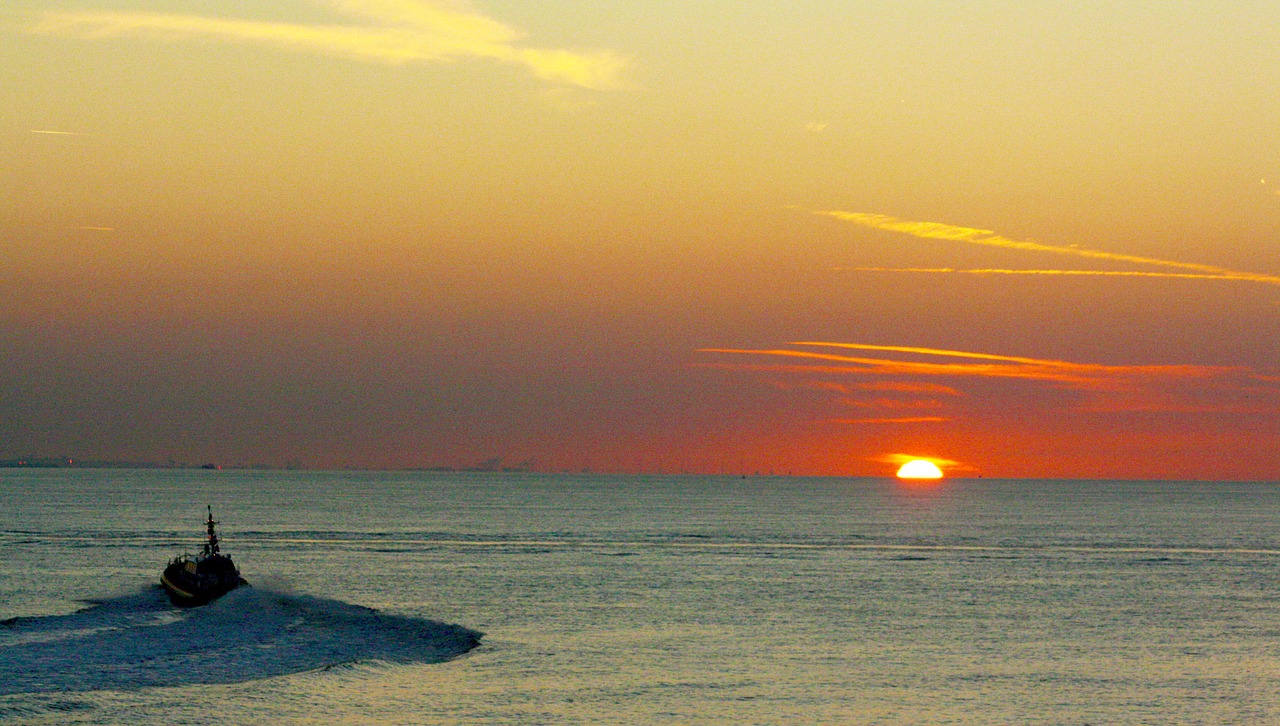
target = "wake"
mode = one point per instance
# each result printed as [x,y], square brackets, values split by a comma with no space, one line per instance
[140,641]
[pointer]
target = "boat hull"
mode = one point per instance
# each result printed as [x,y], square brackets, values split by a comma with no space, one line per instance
[187,590]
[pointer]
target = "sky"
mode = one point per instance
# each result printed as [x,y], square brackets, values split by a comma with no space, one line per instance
[1020,239]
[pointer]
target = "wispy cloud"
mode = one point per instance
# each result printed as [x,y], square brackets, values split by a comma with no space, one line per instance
[1076,375]
[897,403]
[900,459]
[1084,273]
[1173,388]
[906,387]
[969,235]
[1173,370]
[904,420]
[395,32]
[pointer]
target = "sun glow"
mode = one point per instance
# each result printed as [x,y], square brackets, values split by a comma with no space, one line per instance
[919,469]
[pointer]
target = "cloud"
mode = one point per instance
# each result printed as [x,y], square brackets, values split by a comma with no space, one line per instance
[1076,375]
[1129,389]
[1088,273]
[398,31]
[897,403]
[1168,369]
[909,420]
[900,459]
[904,387]
[969,235]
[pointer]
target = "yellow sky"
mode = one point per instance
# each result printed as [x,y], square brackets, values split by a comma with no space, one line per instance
[403,232]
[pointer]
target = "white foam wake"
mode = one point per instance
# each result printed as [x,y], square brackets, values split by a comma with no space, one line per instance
[139,640]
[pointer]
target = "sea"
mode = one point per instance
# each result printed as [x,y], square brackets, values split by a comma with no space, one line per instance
[521,598]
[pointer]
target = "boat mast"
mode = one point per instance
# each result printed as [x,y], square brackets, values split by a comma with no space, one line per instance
[212,547]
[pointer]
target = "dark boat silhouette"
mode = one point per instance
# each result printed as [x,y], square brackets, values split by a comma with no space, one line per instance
[194,580]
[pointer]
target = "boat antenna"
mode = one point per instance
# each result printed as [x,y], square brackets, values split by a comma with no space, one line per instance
[212,547]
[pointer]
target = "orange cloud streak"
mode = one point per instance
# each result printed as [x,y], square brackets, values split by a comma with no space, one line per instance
[902,387]
[1219,390]
[917,419]
[900,459]
[1083,375]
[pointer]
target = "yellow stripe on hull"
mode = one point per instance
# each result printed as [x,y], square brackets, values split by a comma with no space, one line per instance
[177,590]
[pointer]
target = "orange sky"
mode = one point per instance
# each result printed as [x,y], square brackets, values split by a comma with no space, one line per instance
[1026,240]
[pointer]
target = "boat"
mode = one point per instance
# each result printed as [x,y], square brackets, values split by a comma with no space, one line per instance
[193,580]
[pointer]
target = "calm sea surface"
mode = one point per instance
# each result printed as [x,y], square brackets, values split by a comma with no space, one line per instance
[425,598]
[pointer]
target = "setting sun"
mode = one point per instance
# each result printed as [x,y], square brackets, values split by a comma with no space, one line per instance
[919,469]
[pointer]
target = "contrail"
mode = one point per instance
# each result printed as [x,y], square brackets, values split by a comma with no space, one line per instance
[969,235]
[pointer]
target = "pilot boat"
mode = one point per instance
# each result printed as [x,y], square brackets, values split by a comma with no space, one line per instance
[194,580]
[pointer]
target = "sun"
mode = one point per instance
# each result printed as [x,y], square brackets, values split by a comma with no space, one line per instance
[919,469]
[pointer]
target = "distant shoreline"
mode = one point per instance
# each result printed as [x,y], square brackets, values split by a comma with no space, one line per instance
[68,462]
